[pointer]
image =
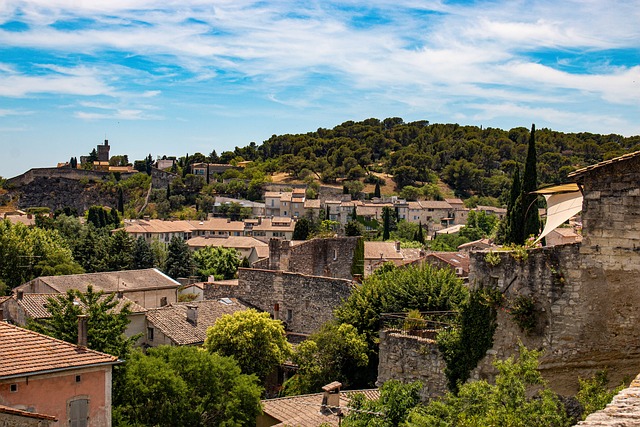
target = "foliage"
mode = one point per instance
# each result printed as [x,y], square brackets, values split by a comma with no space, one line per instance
[120,251]
[354,228]
[507,403]
[179,262]
[185,386]
[335,353]
[256,341]
[302,229]
[523,311]
[531,218]
[357,265]
[142,255]
[514,227]
[105,324]
[28,252]
[424,288]
[594,394]
[492,258]
[391,409]
[216,261]
[479,224]
[386,222]
[447,242]
[464,345]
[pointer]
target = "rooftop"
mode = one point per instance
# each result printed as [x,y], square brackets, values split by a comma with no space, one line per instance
[27,414]
[26,352]
[384,250]
[241,242]
[582,171]
[35,305]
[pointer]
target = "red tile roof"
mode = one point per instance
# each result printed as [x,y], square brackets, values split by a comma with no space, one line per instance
[35,305]
[26,352]
[27,414]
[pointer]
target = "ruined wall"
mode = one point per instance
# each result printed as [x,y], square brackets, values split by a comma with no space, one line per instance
[318,257]
[304,302]
[408,358]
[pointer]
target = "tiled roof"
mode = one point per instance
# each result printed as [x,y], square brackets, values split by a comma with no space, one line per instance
[268,224]
[35,305]
[312,204]
[605,163]
[112,281]
[454,201]
[304,411]
[172,319]
[384,250]
[238,242]
[454,259]
[156,226]
[12,411]
[26,352]
[435,204]
[216,224]
[490,209]
[262,251]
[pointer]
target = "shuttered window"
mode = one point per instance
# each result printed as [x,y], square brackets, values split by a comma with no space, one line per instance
[79,413]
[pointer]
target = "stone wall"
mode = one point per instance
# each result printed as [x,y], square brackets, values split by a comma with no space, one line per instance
[318,257]
[302,301]
[408,358]
[624,409]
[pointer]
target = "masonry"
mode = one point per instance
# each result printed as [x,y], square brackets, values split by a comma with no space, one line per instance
[303,302]
[411,359]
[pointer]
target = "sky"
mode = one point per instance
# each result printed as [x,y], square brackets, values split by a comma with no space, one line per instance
[175,77]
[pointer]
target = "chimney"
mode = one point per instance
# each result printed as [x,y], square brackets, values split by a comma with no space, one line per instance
[397,246]
[82,330]
[119,294]
[276,311]
[192,314]
[331,398]
[19,294]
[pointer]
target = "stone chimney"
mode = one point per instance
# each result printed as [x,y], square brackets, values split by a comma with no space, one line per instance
[82,330]
[397,246]
[192,314]
[331,398]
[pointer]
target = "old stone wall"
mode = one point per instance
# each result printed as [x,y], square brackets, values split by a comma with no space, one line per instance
[302,301]
[14,420]
[408,358]
[318,257]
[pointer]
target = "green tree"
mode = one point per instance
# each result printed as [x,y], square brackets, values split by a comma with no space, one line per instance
[257,342]
[386,222]
[419,236]
[514,232]
[120,251]
[594,394]
[216,261]
[106,325]
[335,353]
[302,229]
[353,228]
[179,261]
[376,190]
[531,218]
[507,403]
[142,255]
[357,266]
[184,386]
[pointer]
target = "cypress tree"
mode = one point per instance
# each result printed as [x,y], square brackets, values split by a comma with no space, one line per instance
[357,265]
[120,201]
[354,214]
[419,237]
[514,230]
[376,190]
[530,218]
[386,221]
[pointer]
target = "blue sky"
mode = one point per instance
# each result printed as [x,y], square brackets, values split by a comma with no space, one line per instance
[175,77]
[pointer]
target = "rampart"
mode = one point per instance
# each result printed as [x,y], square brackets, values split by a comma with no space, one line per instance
[303,302]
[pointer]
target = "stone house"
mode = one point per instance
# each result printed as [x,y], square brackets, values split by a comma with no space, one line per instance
[10,417]
[44,375]
[186,323]
[245,245]
[456,261]
[376,254]
[149,287]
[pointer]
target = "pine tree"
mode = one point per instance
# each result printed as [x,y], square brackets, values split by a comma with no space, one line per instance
[531,218]
[142,255]
[179,262]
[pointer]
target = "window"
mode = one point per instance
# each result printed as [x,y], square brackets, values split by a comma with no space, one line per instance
[13,388]
[79,413]
[335,254]
[289,315]
[163,301]
[78,378]
[150,334]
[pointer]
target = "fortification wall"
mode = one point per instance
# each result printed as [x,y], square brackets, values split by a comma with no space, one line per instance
[303,302]
[408,358]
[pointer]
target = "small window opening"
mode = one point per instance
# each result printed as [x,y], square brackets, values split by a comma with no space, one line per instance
[78,378]
[13,388]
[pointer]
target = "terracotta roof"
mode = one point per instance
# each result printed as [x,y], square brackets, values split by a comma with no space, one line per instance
[312,204]
[238,242]
[582,171]
[26,352]
[216,224]
[454,259]
[490,209]
[172,319]
[481,243]
[368,211]
[435,204]
[454,201]
[268,224]
[384,250]
[304,411]
[35,305]
[26,414]
[111,281]
[262,251]
[156,226]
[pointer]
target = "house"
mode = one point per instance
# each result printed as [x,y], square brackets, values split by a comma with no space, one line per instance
[149,287]
[492,210]
[376,254]
[311,410]
[476,245]
[268,228]
[156,229]
[200,169]
[245,245]
[20,217]
[186,323]
[285,203]
[192,291]
[21,307]
[457,261]
[19,418]
[44,375]
[562,236]
[257,209]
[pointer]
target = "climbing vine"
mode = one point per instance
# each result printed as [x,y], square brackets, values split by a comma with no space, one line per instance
[465,344]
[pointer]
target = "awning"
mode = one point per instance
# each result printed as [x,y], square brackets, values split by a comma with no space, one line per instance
[555,189]
[560,207]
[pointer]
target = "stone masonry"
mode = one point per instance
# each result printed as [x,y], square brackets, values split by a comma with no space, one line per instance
[409,358]
[303,302]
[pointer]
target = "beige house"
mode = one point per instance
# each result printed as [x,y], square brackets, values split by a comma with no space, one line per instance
[376,254]
[245,245]
[149,287]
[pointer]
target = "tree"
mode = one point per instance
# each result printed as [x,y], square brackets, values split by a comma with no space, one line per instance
[393,406]
[257,342]
[335,353]
[142,255]
[376,190]
[507,403]
[302,229]
[93,156]
[386,221]
[184,386]
[353,188]
[216,261]
[120,251]
[514,232]
[105,323]
[357,266]
[178,262]
[353,228]
[419,236]
[531,218]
